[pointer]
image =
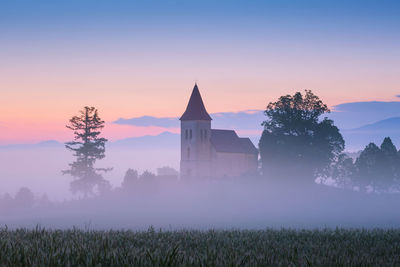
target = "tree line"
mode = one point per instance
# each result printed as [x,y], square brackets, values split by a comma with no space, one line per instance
[298,145]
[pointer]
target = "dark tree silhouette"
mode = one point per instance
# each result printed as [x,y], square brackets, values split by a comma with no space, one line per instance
[369,166]
[295,143]
[342,171]
[378,167]
[391,160]
[88,147]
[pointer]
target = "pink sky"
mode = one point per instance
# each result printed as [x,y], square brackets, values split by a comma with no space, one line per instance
[128,59]
[36,107]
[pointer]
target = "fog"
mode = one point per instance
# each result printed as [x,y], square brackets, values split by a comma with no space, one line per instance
[169,202]
[39,167]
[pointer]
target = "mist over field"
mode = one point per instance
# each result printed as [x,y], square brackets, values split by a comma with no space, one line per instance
[39,166]
[172,203]
[248,203]
[199,133]
[34,191]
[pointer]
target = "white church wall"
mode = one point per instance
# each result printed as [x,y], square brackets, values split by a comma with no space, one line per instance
[195,148]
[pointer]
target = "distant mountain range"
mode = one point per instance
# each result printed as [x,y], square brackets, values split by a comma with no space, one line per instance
[165,140]
[43,144]
[359,137]
[358,114]
[388,125]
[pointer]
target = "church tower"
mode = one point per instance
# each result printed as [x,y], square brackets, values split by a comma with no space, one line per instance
[195,138]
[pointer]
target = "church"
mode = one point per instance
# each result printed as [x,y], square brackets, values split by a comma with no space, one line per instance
[207,152]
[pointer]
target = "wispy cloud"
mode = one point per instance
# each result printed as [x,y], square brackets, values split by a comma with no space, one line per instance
[150,121]
[243,120]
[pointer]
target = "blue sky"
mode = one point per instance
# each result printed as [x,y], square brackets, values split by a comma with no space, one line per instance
[136,58]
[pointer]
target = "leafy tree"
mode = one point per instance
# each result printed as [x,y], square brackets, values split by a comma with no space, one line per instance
[391,160]
[294,141]
[130,179]
[167,172]
[342,171]
[368,165]
[147,176]
[378,167]
[24,198]
[88,147]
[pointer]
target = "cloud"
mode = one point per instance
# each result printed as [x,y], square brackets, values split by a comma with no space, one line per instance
[356,114]
[349,117]
[346,116]
[243,120]
[150,121]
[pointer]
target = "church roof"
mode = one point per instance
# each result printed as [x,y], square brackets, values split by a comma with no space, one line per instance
[228,141]
[195,109]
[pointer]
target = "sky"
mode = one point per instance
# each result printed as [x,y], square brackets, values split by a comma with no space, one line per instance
[136,58]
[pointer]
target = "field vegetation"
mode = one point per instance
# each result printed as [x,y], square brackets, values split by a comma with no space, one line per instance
[285,247]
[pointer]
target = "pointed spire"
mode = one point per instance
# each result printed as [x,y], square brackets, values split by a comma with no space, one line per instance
[195,109]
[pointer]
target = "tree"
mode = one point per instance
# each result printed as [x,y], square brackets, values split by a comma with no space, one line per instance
[378,167]
[391,161]
[88,147]
[147,177]
[24,198]
[167,171]
[369,166]
[341,172]
[295,143]
[130,179]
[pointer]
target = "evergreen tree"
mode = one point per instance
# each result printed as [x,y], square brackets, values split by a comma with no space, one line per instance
[88,147]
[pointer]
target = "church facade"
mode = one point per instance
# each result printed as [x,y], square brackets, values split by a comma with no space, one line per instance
[207,152]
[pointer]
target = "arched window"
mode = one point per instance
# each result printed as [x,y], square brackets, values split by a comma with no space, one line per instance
[186,134]
[188,153]
[190,134]
[205,134]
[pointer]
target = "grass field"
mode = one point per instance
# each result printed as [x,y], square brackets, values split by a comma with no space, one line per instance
[340,247]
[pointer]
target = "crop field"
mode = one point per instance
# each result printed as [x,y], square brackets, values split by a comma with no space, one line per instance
[336,247]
